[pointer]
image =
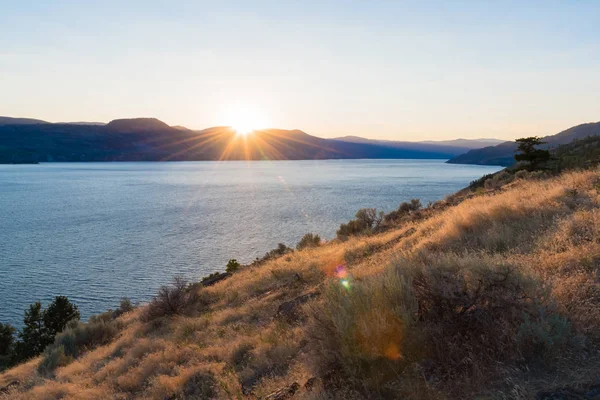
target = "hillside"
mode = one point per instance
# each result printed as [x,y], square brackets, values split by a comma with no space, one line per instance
[503,153]
[20,121]
[493,294]
[148,139]
[451,147]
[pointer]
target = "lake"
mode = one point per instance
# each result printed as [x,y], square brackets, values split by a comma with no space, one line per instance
[96,232]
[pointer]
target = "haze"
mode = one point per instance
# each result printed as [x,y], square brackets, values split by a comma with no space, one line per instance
[385,69]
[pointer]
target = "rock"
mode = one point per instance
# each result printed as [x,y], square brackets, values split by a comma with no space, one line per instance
[289,310]
[214,278]
[283,393]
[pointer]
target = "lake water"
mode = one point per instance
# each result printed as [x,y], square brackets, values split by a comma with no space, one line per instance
[96,232]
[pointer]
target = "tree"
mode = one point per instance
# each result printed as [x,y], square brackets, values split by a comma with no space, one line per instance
[535,157]
[7,339]
[58,314]
[42,325]
[33,336]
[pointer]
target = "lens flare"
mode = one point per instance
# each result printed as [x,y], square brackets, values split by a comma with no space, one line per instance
[341,271]
[345,283]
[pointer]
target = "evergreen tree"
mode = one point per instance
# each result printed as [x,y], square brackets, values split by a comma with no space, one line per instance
[33,336]
[7,339]
[58,314]
[535,157]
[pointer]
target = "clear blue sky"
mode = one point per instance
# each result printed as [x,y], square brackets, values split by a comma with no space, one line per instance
[383,69]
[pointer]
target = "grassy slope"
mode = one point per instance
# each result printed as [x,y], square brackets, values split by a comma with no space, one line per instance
[434,310]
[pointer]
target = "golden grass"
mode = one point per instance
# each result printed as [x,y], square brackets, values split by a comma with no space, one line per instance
[547,232]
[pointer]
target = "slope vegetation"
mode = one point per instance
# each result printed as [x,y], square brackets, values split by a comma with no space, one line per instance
[503,154]
[494,294]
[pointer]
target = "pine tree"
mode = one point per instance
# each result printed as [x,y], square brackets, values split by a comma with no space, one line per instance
[58,314]
[535,157]
[7,338]
[33,337]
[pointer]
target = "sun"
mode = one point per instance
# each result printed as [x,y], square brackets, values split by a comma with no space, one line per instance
[246,119]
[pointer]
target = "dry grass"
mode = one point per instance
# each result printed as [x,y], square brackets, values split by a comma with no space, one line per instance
[497,296]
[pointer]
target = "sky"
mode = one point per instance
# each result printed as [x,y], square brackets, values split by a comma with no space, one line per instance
[398,70]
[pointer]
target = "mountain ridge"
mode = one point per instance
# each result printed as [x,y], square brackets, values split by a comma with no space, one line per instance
[149,139]
[503,154]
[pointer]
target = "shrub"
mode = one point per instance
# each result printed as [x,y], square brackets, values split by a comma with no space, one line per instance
[240,356]
[201,385]
[280,250]
[403,209]
[171,300]
[125,306]
[354,254]
[53,358]
[544,335]
[77,338]
[308,240]
[232,266]
[522,174]
[479,183]
[366,221]
[462,314]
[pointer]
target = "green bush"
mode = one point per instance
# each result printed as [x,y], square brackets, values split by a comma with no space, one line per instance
[308,240]
[232,266]
[480,182]
[77,338]
[53,358]
[366,221]
[279,251]
[125,306]
[403,209]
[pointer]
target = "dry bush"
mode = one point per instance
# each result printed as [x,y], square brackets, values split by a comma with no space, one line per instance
[200,385]
[179,298]
[458,315]
[79,337]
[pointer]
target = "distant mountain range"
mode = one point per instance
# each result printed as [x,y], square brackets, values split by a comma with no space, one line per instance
[503,154]
[451,147]
[24,140]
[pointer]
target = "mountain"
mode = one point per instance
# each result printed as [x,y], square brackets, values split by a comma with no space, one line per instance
[503,154]
[137,125]
[20,121]
[82,123]
[450,147]
[149,139]
[468,143]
